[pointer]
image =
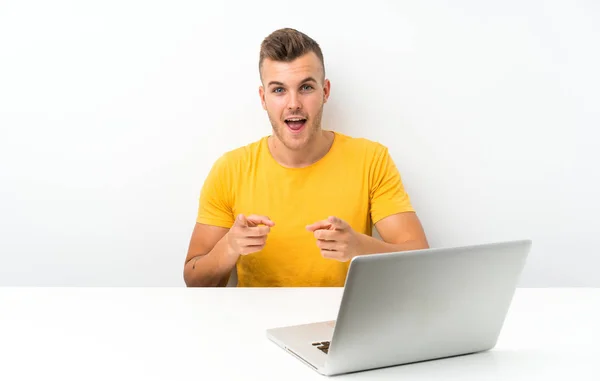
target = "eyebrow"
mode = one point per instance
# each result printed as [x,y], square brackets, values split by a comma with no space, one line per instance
[307,79]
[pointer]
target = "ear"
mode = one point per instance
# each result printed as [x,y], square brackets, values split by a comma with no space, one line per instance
[261,94]
[326,90]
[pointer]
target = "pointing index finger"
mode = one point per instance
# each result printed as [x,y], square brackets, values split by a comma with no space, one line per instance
[337,223]
[257,231]
[318,225]
[257,219]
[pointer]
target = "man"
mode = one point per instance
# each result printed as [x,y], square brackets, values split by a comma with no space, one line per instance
[293,208]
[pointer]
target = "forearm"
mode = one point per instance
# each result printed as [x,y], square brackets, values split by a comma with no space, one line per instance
[371,245]
[210,269]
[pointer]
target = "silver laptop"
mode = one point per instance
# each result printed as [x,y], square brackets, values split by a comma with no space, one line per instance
[406,307]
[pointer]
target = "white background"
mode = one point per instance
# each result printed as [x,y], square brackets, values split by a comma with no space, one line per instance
[112,112]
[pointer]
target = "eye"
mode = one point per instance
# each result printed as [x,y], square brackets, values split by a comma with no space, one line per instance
[278,90]
[306,87]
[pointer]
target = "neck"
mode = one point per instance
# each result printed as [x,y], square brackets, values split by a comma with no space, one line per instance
[313,152]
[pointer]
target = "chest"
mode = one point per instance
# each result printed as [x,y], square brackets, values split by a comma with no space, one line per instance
[295,201]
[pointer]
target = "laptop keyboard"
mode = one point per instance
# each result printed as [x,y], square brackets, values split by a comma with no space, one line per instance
[323,346]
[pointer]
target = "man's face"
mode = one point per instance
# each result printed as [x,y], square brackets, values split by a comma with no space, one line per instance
[293,94]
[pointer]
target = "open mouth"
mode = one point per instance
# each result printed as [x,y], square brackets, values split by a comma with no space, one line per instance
[295,124]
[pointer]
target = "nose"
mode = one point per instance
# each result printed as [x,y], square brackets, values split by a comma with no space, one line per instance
[294,102]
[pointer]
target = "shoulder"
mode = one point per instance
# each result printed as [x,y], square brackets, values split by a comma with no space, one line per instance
[368,149]
[246,151]
[237,157]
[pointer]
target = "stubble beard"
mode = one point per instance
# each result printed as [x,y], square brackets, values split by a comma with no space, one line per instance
[280,130]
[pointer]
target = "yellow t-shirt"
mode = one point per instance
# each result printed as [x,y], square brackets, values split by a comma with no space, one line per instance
[356,181]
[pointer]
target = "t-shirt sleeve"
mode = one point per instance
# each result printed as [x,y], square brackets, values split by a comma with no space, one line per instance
[215,202]
[387,194]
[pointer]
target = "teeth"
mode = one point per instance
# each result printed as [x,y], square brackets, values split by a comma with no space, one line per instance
[294,120]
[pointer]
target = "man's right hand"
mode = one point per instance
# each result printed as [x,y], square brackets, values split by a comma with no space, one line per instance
[248,234]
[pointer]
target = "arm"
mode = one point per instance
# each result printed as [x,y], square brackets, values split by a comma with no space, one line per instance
[391,210]
[214,251]
[399,232]
[208,263]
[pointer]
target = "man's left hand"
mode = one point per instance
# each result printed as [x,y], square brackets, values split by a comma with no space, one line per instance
[336,239]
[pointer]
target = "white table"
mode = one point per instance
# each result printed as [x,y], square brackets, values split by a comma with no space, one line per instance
[219,334]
